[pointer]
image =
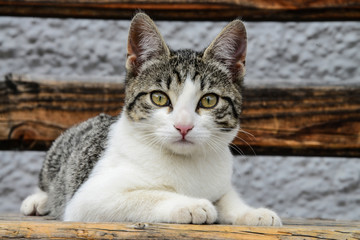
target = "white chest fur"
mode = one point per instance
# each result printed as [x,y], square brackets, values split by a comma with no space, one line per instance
[128,165]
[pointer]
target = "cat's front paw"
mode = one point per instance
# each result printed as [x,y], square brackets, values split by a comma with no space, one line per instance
[200,211]
[259,217]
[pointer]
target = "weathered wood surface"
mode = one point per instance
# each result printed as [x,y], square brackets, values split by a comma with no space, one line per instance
[258,10]
[39,228]
[323,121]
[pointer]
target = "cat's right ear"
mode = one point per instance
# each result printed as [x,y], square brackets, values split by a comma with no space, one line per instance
[229,48]
[144,43]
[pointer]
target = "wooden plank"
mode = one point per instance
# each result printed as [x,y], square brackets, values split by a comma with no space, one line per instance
[320,121]
[34,113]
[40,228]
[249,10]
[286,221]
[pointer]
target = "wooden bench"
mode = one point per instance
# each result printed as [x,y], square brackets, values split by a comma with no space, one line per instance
[19,227]
[258,10]
[306,121]
[312,121]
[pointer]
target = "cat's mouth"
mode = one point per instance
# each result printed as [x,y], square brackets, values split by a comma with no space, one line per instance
[182,147]
[184,142]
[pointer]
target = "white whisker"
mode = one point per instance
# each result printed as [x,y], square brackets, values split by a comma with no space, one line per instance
[246,144]
[247,133]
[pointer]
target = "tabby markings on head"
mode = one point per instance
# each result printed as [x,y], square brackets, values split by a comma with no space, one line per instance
[152,66]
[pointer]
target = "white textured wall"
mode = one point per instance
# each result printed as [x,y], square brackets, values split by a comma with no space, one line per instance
[325,53]
[297,53]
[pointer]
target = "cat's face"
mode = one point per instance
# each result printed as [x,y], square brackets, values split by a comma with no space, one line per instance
[184,101]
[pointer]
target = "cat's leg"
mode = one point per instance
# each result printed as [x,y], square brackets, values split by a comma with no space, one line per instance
[141,205]
[177,208]
[232,210]
[35,204]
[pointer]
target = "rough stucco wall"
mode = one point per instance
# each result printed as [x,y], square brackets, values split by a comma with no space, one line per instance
[294,53]
[18,177]
[301,187]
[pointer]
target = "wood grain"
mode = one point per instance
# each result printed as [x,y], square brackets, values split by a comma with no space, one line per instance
[39,228]
[249,10]
[34,113]
[318,121]
[323,121]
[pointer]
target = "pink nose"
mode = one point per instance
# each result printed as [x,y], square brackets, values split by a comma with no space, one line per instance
[183,129]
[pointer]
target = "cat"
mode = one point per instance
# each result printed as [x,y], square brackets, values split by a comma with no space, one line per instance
[166,158]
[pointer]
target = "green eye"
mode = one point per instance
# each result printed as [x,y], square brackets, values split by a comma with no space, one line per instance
[160,99]
[208,101]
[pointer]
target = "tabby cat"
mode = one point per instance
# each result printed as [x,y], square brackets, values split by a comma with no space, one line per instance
[166,158]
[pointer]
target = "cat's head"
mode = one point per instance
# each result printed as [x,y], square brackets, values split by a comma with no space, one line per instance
[184,101]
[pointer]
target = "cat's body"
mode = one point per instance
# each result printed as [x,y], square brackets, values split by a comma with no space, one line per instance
[166,158]
[65,170]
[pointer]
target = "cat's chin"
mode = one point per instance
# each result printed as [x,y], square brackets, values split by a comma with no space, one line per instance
[182,147]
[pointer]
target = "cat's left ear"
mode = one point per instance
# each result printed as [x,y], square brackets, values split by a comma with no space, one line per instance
[229,48]
[144,43]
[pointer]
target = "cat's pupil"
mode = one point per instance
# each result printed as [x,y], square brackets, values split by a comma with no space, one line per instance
[208,100]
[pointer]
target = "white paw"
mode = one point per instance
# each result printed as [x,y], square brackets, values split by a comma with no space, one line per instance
[196,211]
[259,217]
[35,204]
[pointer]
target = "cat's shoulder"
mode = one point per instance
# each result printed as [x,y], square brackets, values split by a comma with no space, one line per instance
[99,124]
[90,133]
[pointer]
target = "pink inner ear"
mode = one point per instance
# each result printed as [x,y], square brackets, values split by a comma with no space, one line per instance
[237,59]
[240,53]
[131,59]
[133,47]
